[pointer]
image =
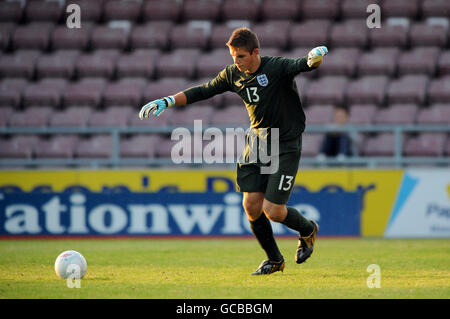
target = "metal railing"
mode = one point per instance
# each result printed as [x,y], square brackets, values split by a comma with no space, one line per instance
[397,160]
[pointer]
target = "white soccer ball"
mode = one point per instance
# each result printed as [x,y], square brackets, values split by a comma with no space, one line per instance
[70,263]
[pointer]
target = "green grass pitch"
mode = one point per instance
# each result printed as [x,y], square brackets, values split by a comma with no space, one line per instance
[220,269]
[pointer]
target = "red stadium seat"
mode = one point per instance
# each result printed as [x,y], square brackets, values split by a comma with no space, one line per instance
[426,35]
[397,114]
[418,61]
[280,10]
[435,8]
[426,144]
[67,38]
[91,10]
[84,93]
[18,147]
[31,117]
[59,146]
[356,9]
[408,89]
[137,65]
[56,65]
[382,144]
[443,64]
[367,90]
[40,10]
[6,32]
[11,11]
[108,37]
[340,61]
[154,34]
[185,116]
[319,114]
[193,35]
[389,36]
[11,91]
[157,89]
[127,92]
[201,10]
[273,34]
[400,8]
[34,36]
[122,10]
[95,65]
[439,90]
[438,114]
[44,93]
[210,64]
[99,146]
[178,63]
[309,33]
[139,146]
[319,9]
[381,61]
[362,114]
[327,90]
[116,116]
[75,116]
[19,64]
[240,10]
[350,33]
[311,143]
[162,10]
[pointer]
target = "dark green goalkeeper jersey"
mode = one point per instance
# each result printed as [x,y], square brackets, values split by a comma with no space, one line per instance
[270,94]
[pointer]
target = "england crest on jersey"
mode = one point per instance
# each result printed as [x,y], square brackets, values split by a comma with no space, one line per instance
[262,80]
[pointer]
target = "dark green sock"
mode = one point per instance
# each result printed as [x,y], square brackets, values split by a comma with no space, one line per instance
[262,230]
[296,221]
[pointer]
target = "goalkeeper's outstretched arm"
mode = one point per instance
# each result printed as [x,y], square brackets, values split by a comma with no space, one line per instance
[158,106]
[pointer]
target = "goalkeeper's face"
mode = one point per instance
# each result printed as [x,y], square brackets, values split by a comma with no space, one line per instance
[244,60]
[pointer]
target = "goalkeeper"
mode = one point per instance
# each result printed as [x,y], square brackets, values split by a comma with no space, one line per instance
[267,87]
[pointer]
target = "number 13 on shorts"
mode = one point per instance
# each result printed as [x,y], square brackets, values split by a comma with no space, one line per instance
[285,182]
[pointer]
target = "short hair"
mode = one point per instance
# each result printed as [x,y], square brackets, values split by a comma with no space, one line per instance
[244,38]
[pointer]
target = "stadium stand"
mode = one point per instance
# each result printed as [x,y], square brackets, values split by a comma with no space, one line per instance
[393,80]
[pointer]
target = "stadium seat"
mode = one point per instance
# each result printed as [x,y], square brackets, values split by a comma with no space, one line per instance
[154,34]
[438,114]
[18,64]
[33,36]
[137,65]
[273,34]
[443,64]
[139,146]
[319,9]
[98,146]
[220,34]
[231,116]
[367,90]
[157,89]
[327,90]
[310,33]
[194,35]
[400,8]
[185,116]
[408,89]
[6,32]
[201,10]
[356,9]
[439,90]
[421,60]
[178,63]
[162,10]
[240,10]
[349,33]
[122,10]
[11,92]
[126,92]
[113,116]
[319,114]
[397,114]
[47,92]
[210,64]
[381,61]
[75,116]
[164,147]
[426,144]
[109,37]
[426,35]
[389,36]
[40,10]
[35,116]
[5,112]
[95,65]
[56,65]
[382,144]
[59,146]
[340,61]
[435,8]
[311,143]
[280,10]
[92,11]
[362,114]
[11,11]
[86,92]
[18,147]
[64,38]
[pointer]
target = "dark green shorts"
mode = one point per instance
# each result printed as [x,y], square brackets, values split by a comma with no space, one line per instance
[277,186]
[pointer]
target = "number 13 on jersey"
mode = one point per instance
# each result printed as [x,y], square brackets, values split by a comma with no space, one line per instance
[253,96]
